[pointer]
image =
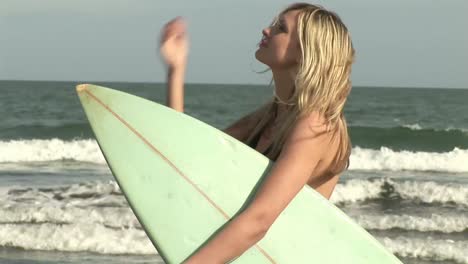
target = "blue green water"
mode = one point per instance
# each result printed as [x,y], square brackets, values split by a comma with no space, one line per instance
[407,183]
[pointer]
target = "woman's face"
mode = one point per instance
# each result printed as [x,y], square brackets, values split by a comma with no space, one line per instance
[279,48]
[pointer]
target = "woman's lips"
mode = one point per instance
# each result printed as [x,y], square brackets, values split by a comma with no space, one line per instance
[263,43]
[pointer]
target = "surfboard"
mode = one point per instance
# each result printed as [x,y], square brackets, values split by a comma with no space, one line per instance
[185,180]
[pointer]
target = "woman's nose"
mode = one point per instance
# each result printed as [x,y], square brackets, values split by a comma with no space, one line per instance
[266,32]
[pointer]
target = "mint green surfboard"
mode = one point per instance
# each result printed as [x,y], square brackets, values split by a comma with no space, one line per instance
[184,180]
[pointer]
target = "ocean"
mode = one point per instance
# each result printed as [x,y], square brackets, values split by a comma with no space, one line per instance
[407,183]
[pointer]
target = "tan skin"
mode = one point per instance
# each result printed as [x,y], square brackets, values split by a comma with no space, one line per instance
[304,159]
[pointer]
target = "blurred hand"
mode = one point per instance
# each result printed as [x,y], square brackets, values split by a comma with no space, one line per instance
[174,43]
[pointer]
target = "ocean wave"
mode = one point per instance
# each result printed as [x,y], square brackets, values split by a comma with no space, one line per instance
[88,194]
[100,239]
[87,150]
[437,223]
[99,202]
[102,193]
[416,126]
[387,159]
[110,217]
[123,218]
[358,190]
[40,150]
[102,202]
[412,137]
[409,137]
[413,126]
[76,237]
[91,216]
[95,217]
[432,249]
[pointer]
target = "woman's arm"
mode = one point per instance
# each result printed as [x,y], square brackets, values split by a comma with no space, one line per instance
[301,153]
[175,88]
[174,51]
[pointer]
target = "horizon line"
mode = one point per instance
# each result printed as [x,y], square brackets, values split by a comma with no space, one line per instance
[202,83]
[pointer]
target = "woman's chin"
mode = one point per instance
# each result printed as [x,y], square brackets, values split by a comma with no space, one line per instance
[260,57]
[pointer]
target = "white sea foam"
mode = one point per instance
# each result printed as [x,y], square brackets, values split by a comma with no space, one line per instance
[116,217]
[102,203]
[76,237]
[49,150]
[387,159]
[80,195]
[97,238]
[413,126]
[107,193]
[357,190]
[464,130]
[439,223]
[430,192]
[417,126]
[123,217]
[430,248]
[361,159]
[79,218]
[97,203]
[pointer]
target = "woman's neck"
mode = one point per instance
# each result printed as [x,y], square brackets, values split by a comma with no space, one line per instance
[284,88]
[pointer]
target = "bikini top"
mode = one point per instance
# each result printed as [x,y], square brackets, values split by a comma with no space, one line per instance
[253,144]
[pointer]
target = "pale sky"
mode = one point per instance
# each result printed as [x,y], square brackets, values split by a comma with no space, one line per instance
[399,43]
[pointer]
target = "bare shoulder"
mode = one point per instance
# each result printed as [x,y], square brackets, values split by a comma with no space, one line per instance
[302,152]
[309,133]
[310,145]
[314,122]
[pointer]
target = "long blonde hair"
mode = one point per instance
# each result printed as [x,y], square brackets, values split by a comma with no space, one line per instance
[322,83]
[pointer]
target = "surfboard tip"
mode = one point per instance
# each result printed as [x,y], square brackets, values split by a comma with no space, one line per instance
[81,87]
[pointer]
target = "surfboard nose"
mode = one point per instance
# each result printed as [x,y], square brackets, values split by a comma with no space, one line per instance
[81,87]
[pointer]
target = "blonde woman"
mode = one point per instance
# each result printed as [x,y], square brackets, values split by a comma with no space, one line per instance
[310,53]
